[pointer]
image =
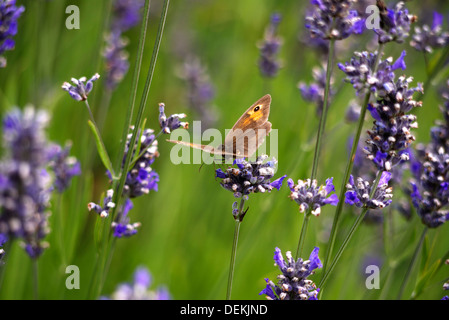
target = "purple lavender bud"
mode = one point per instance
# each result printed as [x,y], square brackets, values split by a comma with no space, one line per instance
[269,64]
[358,193]
[309,196]
[81,89]
[293,283]
[9,14]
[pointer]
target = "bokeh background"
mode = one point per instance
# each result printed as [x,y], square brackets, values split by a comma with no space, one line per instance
[187,226]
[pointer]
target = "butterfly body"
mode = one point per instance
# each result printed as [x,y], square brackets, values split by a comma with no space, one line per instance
[247,134]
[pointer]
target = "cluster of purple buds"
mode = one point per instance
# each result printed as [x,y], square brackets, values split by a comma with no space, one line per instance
[315,91]
[426,38]
[124,228]
[361,73]
[25,181]
[359,193]
[389,139]
[103,210]
[292,282]
[333,19]
[250,177]
[141,179]
[394,23]
[172,122]
[9,14]
[310,197]
[139,289]
[81,89]
[269,48]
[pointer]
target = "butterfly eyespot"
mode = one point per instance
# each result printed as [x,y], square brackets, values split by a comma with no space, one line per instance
[257,108]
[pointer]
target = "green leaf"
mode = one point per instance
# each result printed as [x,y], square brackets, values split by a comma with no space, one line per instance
[102,150]
[424,278]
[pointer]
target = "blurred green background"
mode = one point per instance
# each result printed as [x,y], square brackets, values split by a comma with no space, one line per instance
[187,226]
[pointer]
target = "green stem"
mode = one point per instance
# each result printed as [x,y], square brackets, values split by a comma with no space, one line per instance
[60,226]
[325,108]
[302,235]
[234,249]
[348,169]
[34,262]
[412,263]
[350,234]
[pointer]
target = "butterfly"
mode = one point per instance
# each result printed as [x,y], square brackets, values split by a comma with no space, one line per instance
[246,136]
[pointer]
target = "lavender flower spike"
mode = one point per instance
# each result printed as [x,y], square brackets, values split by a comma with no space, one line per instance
[358,194]
[250,177]
[293,283]
[81,89]
[426,38]
[25,185]
[394,23]
[268,62]
[9,14]
[309,196]
[333,19]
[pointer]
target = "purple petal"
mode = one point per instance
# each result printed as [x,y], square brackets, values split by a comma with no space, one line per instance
[399,63]
[351,198]
[278,182]
[329,186]
[291,184]
[386,176]
[374,112]
[268,290]
[332,200]
[437,20]
[278,258]
[315,261]
[142,277]
[220,174]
